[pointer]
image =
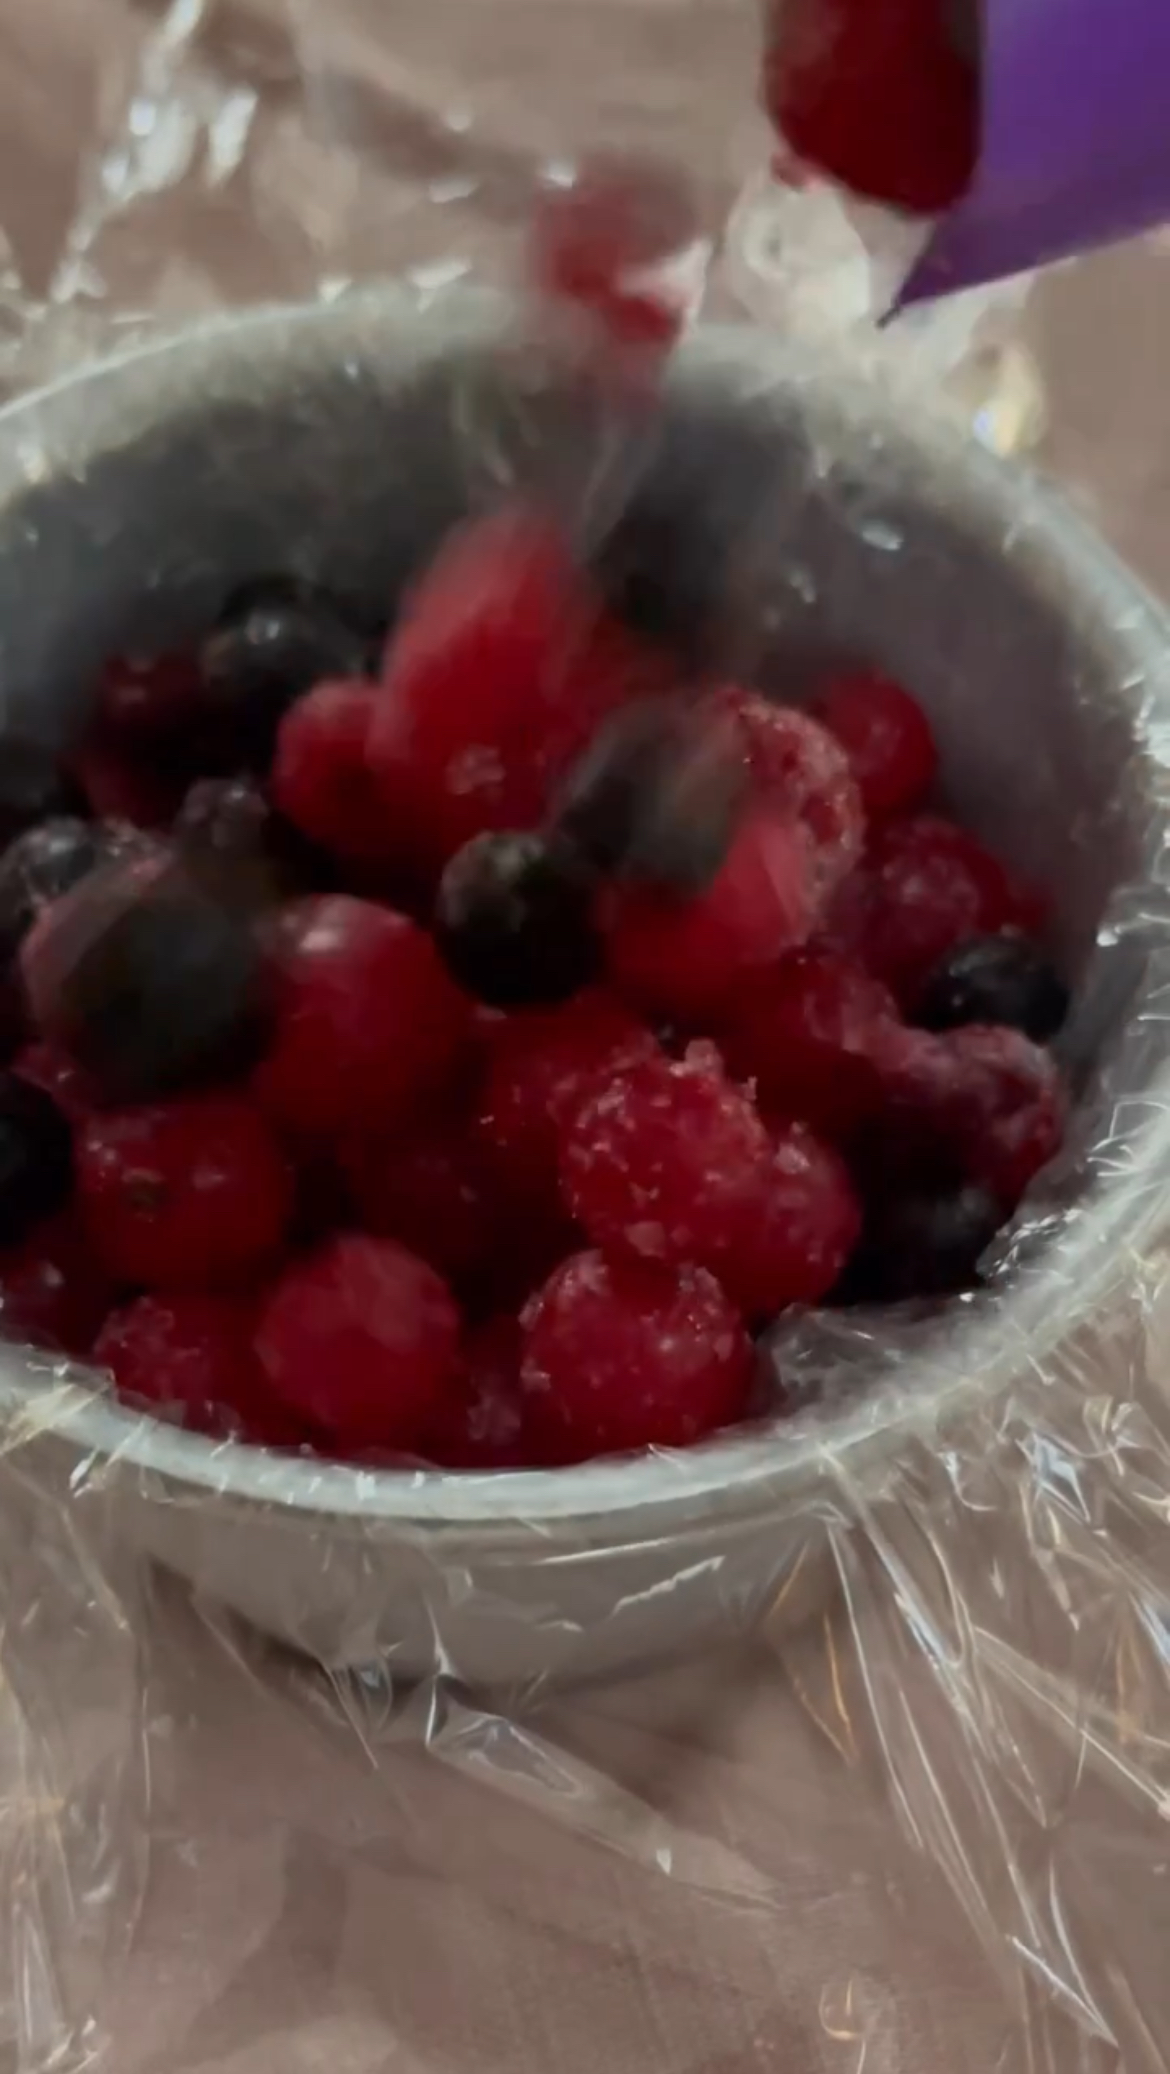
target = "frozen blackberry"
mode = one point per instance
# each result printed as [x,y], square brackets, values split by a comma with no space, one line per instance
[38,867]
[656,796]
[995,979]
[267,651]
[514,921]
[925,1242]
[36,1158]
[149,981]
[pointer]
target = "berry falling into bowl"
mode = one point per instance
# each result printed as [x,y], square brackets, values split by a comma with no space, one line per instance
[460,1052]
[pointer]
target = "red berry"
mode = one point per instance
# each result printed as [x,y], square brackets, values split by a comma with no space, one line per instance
[52,1292]
[664,1160]
[189,1357]
[540,1067]
[624,1355]
[805,1032]
[682,959]
[497,673]
[192,1194]
[123,786]
[368,1024]
[801,772]
[150,701]
[928,886]
[433,1192]
[483,1422]
[875,94]
[605,244]
[320,778]
[976,1104]
[887,738]
[794,1244]
[361,1340]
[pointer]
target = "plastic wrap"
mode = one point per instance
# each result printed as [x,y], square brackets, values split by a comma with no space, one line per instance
[902,1804]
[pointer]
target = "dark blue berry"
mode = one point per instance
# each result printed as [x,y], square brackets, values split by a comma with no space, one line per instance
[151,980]
[922,1242]
[36,1158]
[38,867]
[514,921]
[655,797]
[266,653]
[995,979]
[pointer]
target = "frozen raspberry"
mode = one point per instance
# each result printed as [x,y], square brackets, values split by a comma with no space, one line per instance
[269,649]
[193,1194]
[320,778]
[887,738]
[499,671]
[36,1157]
[187,1357]
[922,1241]
[149,979]
[540,1067]
[361,1339]
[60,1076]
[805,1032]
[877,95]
[927,887]
[514,921]
[606,244]
[150,702]
[52,1292]
[624,1355]
[665,1159]
[794,1245]
[368,1024]
[800,771]
[995,979]
[483,1423]
[657,795]
[683,959]
[433,1191]
[984,1105]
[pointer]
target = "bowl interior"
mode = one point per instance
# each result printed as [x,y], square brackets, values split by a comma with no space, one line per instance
[341,445]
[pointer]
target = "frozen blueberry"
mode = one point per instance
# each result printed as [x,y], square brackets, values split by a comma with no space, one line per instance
[995,979]
[656,796]
[36,1157]
[149,980]
[266,652]
[514,921]
[38,867]
[924,1242]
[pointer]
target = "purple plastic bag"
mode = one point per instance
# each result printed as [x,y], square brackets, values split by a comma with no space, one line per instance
[1076,140]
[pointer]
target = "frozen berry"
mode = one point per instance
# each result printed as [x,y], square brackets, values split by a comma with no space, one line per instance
[540,1066]
[665,1160]
[800,771]
[606,245]
[877,96]
[193,1194]
[189,1358]
[38,867]
[320,777]
[656,796]
[887,738]
[368,1023]
[432,1190]
[683,959]
[33,788]
[624,1355]
[36,1157]
[361,1339]
[265,654]
[514,921]
[805,1032]
[925,1241]
[127,786]
[794,1245]
[230,833]
[150,702]
[148,979]
[483,1420]
[974,1104]
[927,887]
[52,1292]
[995,979]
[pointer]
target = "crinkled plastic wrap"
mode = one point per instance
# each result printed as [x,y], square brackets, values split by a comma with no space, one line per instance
[839,1744]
